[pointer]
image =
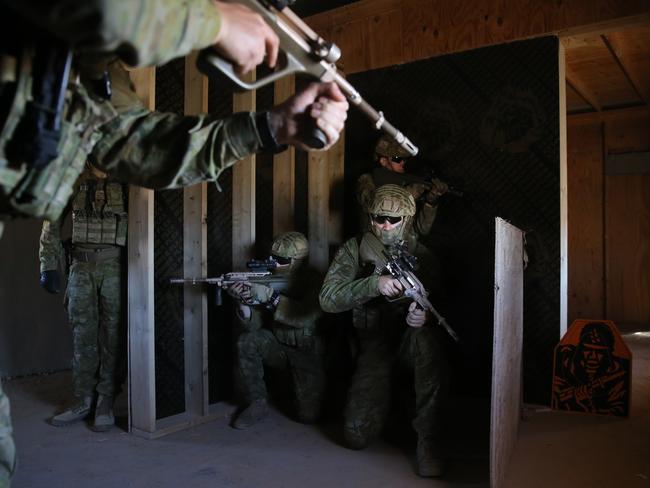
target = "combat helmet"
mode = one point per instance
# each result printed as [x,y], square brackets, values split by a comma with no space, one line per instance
[393,201]
[292,245]
[389,147]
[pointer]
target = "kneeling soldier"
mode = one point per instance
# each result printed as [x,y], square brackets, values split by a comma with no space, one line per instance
[279,330]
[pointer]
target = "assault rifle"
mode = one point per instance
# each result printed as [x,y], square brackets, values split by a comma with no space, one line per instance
[382,176]
[265,277]
[569,392]
[302,51]
[401,264]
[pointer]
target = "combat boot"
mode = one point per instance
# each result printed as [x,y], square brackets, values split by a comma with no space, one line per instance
[252,414]
[430,463]
[104,418]
[78,411]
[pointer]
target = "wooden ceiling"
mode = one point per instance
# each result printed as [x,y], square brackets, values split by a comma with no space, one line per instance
[608,71]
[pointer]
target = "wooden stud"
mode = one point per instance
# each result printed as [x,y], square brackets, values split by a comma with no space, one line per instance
[284,170]
[608,115]
[195,263]
[141,338]
[243,192]
[564,217]
[336,164]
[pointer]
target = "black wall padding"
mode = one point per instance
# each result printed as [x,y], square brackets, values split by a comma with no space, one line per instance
[168,263]
[486,121]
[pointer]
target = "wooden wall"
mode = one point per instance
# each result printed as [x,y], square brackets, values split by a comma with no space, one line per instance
[378,33]
[609,221]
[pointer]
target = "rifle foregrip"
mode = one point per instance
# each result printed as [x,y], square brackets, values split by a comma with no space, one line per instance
[218,297]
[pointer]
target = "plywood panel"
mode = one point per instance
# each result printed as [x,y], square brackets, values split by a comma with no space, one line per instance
[434,27]
[628,248]
[385,38]
[633,48]
[585,229]
[284,170]
[507,348]
[574,102]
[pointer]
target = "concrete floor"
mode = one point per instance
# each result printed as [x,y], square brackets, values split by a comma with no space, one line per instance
[554,449]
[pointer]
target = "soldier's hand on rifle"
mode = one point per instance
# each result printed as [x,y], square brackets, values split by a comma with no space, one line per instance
[51,281]
[417,189]
[320,104]
[389,286]
[257,293]
[438,189]
[236,290]
[245,38]
[416,316]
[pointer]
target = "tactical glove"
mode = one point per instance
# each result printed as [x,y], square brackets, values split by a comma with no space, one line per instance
[51,281]
[416,189]
[438,189]
[416,316]
[260,293]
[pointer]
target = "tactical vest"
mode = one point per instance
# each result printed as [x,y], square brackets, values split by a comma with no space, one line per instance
[28,191]
[99,213]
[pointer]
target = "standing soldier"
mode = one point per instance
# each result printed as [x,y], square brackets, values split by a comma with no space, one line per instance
[281,332]
[52,121]
[94,293]
[391,160]
[387,332]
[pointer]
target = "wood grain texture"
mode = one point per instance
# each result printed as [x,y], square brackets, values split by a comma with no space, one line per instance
[141,337]
[318,204]
[629,134]
[628,248]
[585,230]
[336,165]
[195,261]
[507,349]
[435,27]
[243,192]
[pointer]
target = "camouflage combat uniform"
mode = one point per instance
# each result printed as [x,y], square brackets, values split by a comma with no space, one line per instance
[7,448]
[121,137]
[94,293]
[286,338]
[384,338]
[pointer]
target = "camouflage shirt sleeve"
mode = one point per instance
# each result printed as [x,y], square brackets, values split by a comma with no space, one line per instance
[342,290]
[50,250]
[142,32]
[166,150]
[424,219]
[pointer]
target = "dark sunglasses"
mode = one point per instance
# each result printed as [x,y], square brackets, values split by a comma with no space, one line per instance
[397,159]
[381,219]
[280,259]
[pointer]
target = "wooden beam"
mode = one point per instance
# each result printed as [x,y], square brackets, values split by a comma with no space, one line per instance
[243,192]
[581,89]
[564,202]
[284,170]
[608,115]
[634,83]
[318,204]
[429,28]
[141,338]
[195,261]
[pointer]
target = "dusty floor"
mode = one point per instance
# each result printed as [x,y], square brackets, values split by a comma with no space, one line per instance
[554,449]
[275,453]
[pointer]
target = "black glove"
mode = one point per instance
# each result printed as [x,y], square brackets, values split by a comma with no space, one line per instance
[51,281]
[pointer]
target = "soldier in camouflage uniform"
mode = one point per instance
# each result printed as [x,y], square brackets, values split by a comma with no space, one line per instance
[388,333]
[281,332]
[53,120]
[94,293]
[390,158]
[7,448]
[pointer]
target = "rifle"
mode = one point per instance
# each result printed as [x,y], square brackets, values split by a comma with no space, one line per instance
[382,176]
[401,264]
[303,51]
[277,282]
[601,382]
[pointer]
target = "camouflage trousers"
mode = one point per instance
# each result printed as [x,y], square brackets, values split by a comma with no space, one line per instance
[94,304]
[260,348]
[7,448]
[380,351]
